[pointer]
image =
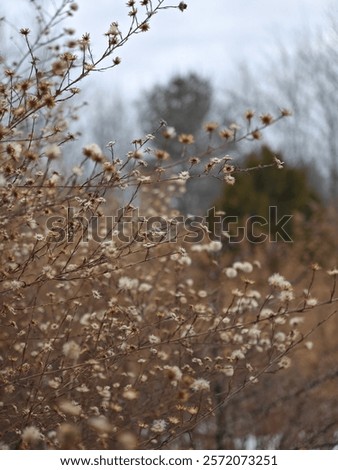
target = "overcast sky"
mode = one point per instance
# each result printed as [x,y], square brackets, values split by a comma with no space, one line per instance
[210,37]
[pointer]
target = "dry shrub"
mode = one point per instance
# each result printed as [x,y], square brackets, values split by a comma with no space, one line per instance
[121,325]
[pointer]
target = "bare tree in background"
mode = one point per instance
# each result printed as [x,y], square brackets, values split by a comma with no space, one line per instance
[183,103]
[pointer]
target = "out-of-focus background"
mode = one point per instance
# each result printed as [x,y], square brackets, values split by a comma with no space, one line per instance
[242,85]
[247,50]
[213,62]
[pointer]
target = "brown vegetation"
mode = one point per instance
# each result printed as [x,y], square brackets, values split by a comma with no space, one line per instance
[118,331]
